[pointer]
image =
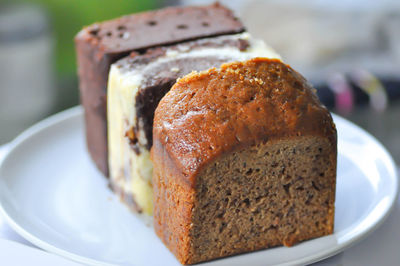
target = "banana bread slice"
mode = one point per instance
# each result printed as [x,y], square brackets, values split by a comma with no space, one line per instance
[244,159]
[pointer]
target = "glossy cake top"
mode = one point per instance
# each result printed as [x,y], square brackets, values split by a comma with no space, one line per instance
[243,103]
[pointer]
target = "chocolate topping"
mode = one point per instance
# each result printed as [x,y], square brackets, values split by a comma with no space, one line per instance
[136,61]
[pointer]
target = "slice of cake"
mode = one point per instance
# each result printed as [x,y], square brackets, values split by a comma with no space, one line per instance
[101,44]
[137,84]
[244,159]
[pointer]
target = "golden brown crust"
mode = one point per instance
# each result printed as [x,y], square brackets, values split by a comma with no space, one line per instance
[212,112]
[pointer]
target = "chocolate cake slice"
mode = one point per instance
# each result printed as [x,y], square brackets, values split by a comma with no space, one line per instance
[101,44]
[137,84]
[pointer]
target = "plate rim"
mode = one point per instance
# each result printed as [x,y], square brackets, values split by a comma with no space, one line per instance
[70,113]
[75,112]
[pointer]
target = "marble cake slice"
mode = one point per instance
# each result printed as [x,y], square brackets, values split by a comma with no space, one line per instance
[137,84]
[101,44]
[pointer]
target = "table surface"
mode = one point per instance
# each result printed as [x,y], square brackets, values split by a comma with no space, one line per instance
[381,247]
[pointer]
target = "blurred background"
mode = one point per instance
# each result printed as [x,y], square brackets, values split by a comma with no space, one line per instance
[349,50]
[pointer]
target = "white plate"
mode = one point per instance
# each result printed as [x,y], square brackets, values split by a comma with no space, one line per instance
[52,195]
[13,253]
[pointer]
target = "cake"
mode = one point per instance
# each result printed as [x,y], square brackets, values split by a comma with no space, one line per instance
[204,127]
[136,85]
[101,44]
[244,159]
